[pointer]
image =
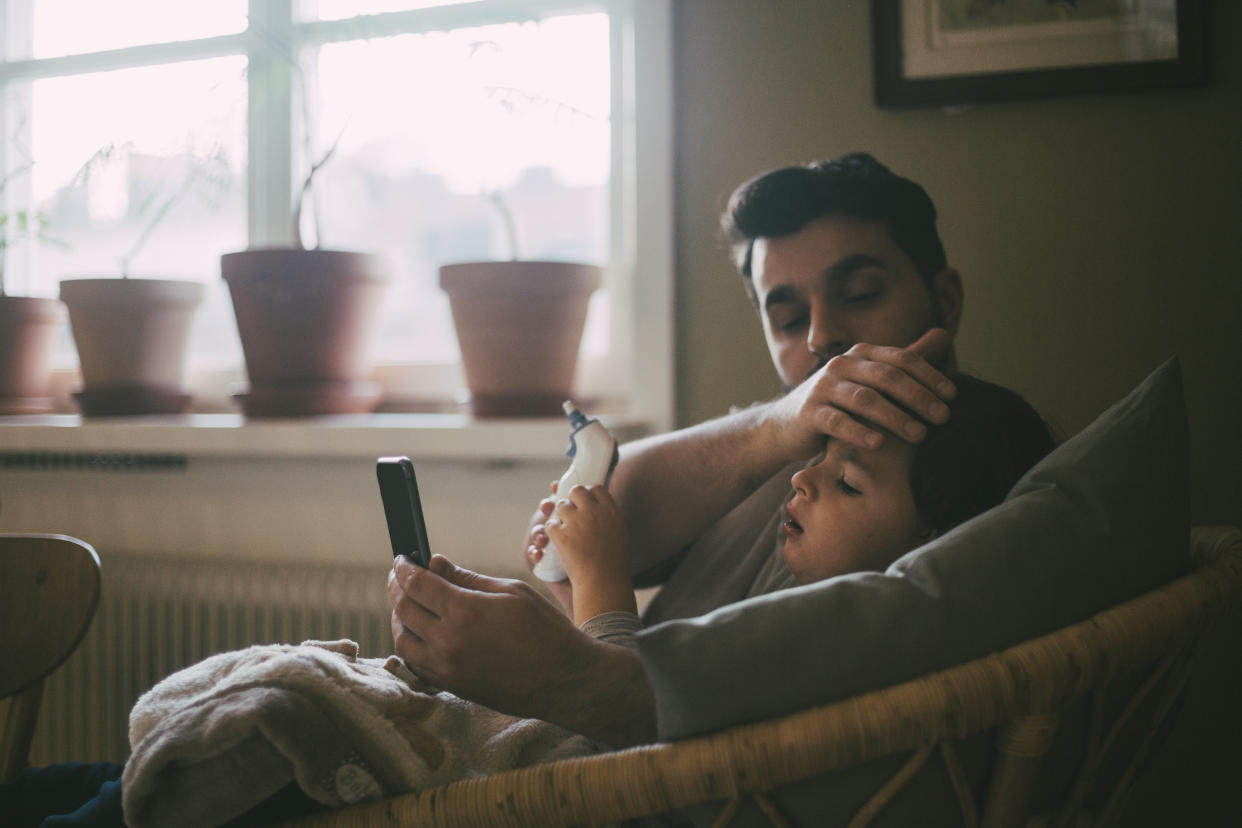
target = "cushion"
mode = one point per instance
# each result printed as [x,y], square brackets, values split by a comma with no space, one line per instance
[1103,518]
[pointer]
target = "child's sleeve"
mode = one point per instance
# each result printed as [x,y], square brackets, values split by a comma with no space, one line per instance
[617,627]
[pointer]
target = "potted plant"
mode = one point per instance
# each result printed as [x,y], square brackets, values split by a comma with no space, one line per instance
[29,325]
[308,319]
[519,327]
[132,334]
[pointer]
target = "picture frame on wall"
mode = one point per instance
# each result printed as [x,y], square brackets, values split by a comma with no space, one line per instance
[950,52]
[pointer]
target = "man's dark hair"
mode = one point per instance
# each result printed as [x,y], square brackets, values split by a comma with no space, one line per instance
[969,464]
[781,202]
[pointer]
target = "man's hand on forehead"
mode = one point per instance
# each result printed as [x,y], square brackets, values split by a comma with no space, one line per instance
[867,391]
[934,348]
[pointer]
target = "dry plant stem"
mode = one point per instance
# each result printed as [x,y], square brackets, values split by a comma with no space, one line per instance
[155,221]
[306,187]
[497,200]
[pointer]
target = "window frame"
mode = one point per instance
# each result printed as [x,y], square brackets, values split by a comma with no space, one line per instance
[642,253]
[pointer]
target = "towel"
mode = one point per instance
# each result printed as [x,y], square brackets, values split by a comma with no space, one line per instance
[217,738]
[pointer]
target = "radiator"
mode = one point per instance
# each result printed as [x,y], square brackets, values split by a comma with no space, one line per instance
[158,614]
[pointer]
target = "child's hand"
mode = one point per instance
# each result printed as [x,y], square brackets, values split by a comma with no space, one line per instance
[593,541]
[536,540]
[536,537]
[588,530]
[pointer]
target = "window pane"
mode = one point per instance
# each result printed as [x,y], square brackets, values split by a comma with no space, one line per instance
[115,151]
[114,24]
[343,9]
[442,136]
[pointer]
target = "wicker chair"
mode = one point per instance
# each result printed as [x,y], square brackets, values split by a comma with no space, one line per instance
[49,589]
[1022,691]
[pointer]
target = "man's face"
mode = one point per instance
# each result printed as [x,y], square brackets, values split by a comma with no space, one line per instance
[838,282]
[851,511]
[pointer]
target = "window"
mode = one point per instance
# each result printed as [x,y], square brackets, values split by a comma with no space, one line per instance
[154,137]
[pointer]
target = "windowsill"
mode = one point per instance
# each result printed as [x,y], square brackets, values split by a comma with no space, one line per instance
[443,436]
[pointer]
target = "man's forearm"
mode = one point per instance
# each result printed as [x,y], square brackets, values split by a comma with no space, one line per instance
[672,487]
[608,698]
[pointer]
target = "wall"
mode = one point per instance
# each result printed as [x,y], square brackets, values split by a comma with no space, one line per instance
[1095,235]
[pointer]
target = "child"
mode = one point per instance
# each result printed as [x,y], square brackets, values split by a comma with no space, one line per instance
[850,509]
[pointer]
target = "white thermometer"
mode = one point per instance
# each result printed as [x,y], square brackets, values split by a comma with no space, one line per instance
[593,454]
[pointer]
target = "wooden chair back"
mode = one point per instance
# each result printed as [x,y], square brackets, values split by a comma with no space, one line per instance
[49,590]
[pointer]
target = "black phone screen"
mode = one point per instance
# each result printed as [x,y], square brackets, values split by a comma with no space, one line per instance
[402,509]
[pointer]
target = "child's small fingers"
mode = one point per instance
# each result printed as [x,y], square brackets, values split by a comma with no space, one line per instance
[601,495]
[580,495]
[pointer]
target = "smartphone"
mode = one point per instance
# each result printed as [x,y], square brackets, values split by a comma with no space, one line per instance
[402,509]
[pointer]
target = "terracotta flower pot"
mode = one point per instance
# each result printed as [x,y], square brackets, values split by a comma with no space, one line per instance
[308,321]
[28,329]
[131,336]
[519,325]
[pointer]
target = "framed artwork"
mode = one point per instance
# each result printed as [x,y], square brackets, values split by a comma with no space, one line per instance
[946,52]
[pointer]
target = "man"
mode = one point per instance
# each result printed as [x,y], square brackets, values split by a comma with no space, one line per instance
[856,299]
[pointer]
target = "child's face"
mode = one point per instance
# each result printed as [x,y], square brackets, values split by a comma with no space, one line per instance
[851,511]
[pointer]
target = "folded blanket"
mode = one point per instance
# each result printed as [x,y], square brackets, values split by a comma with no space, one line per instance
[214,740]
